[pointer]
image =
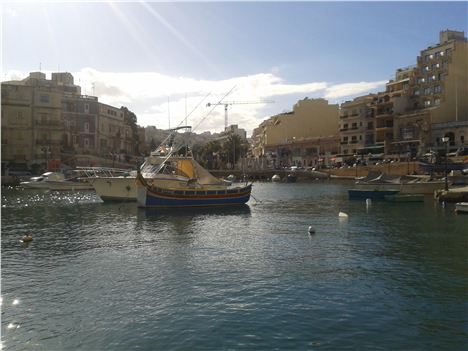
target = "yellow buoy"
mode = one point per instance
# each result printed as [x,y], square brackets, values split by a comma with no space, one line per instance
[27,238]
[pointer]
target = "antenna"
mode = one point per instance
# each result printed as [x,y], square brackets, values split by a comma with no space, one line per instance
[94,86]
[169,112]
[40,66]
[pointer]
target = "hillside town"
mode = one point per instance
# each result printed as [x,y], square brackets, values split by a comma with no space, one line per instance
[49,124]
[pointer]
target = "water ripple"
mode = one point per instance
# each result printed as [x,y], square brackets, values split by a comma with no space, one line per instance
[103,276]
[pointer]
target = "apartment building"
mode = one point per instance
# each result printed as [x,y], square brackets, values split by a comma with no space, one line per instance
[357,124]
[436,96]
[300,137]
[48,122]
[80,116]
[32,127]
[17,125]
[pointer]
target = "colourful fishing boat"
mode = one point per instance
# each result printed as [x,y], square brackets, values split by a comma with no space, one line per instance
[201,190]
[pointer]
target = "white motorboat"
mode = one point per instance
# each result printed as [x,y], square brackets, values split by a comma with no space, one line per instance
[119,185]
[403,184]
[461,207]
[56,181]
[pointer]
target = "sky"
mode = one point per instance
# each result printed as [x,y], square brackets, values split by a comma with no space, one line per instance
[168,60]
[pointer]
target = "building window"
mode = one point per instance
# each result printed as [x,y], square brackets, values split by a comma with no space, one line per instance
[442,53]
[437,89]
[428,91]
[437,102]
[421,80]
[86,127]
[44,98]
[86,108]
[448,52]
[86,142]
[417,92]
[437,54]
[426,68]
[427,103]
[74,139]
[462,139]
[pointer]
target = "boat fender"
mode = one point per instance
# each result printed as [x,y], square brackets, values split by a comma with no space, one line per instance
[342,215]
[368,202]
[311,230]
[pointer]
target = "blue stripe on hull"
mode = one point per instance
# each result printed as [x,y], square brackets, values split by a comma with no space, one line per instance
[153,201]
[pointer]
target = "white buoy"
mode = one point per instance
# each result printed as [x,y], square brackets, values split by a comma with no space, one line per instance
[311,230]
[342,215]
[368,202]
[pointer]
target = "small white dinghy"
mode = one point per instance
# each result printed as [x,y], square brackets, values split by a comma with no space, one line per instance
[276,178]
[461,207]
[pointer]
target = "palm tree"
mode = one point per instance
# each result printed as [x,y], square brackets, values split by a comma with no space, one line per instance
[234,147]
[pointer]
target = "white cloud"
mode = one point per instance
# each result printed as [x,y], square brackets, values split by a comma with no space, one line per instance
[352,89]
[8,11]
[147,94]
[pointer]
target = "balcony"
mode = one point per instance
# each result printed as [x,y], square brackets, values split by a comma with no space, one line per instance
[47,142]
[49,123]
[344,143]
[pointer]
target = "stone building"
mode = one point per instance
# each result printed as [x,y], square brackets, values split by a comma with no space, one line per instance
[303,136]
[46,122]
[357,125]
[437,94]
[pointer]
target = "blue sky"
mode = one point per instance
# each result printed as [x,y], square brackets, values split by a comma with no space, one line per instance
[142,54]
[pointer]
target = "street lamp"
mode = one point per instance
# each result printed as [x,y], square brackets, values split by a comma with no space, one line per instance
[356,162]
[46,151]
[446,140]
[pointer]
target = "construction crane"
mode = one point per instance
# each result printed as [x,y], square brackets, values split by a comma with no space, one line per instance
[227,103]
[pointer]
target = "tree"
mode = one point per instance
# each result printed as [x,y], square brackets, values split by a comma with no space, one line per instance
[207,155]
[234,148]
[130,119]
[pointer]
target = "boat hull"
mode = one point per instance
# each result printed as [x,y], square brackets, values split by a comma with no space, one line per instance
[125,189]
[403,188]
[148,196]
[67,186]
[115,188]
[461,207]
[359,194]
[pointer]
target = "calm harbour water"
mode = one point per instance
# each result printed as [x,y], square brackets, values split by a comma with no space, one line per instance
[113,277]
